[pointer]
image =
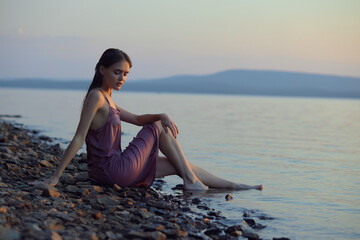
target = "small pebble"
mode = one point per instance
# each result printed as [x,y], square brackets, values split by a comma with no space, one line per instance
[228,197]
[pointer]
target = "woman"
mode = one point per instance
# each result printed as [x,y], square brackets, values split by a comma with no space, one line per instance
[139,163]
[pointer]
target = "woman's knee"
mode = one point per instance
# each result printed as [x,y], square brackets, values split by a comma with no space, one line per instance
[162,130]
[159,125]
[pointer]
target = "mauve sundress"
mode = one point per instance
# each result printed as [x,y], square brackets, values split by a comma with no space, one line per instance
[108,164]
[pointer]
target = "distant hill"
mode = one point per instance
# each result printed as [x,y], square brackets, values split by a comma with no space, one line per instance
[249,82]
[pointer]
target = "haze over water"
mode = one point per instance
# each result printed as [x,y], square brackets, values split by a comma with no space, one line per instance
[306,151]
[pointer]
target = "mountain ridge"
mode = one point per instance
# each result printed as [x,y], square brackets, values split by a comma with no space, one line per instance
[234,81]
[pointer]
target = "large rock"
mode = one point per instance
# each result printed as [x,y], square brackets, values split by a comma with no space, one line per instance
[81,176]
[71,188]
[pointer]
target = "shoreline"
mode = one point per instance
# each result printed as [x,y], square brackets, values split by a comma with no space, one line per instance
[78,209]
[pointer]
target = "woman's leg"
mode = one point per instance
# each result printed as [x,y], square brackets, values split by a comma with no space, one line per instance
[165,168]
[170,147]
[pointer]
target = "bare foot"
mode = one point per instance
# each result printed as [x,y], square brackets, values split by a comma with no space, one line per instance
[258,187]
[197,186]
[246,187]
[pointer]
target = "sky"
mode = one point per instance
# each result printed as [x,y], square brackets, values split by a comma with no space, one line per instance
[65,39]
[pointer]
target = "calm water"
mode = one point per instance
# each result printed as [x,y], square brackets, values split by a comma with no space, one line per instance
[305,151]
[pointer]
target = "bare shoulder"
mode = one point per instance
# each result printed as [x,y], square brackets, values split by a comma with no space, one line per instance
[94,98]
[95,95]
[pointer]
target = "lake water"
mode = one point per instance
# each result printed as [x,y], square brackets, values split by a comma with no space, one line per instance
[305,151]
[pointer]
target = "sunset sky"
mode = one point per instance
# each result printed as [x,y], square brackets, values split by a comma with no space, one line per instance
[64,39]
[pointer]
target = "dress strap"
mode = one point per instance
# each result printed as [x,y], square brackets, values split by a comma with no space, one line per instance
[104,96]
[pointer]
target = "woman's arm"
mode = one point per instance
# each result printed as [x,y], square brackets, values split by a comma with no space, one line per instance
[141,120]
[91,105]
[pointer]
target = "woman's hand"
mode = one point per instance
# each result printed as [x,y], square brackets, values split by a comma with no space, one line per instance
[52,181]
[168,123]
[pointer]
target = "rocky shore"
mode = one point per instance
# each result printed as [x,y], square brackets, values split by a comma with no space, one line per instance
[78,209]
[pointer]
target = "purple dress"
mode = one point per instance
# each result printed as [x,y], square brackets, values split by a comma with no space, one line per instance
[108,164]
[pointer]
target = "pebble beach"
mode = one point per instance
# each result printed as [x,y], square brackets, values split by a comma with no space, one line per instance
[76,208]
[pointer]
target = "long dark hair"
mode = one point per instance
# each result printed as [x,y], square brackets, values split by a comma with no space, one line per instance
[108,58]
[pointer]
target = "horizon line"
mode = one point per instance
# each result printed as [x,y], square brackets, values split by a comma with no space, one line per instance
[179,75]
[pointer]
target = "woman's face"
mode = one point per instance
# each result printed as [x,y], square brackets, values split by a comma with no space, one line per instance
[115,75]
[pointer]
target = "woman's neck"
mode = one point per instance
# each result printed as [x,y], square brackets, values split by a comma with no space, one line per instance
[106,90]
